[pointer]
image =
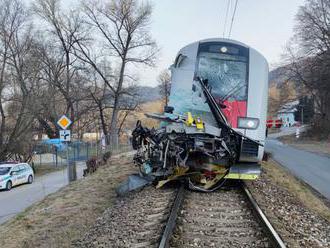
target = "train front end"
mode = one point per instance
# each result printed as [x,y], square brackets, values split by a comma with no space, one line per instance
[214,126]
[237,77]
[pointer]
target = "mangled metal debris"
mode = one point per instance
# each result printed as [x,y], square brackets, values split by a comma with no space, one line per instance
[133,182]
[189,149]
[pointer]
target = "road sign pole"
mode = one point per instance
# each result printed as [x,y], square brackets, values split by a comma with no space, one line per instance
[68,162]
[65,136]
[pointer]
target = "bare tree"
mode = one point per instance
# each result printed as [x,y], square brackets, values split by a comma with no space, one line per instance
[124,28]
[16,79]
[164,80]
[312,30]
[308,56]
[64,26]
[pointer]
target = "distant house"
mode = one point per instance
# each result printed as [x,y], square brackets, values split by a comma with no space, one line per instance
[287,113]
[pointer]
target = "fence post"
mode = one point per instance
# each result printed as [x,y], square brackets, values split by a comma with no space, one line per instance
[297,132]
[74,153]
[56,158]
[87,145]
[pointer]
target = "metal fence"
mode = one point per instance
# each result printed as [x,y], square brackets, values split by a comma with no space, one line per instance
[53,155]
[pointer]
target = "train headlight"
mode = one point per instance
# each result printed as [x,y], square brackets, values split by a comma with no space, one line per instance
[248,123]
[223,49]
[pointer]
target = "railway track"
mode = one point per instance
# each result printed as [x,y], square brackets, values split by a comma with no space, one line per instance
[175,217]
[220,219]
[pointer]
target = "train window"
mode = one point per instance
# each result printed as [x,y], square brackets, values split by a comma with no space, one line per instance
[226,74]
[179,60]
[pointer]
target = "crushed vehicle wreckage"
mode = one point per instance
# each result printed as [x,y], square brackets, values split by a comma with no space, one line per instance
[214,128]
[186,148]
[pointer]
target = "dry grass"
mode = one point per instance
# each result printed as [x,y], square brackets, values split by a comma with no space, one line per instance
[300,190]
[65,215]
[44,169]
[149,107]
[308,144]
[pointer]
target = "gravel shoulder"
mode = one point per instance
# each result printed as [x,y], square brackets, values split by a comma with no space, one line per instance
[64,216]
[297,213]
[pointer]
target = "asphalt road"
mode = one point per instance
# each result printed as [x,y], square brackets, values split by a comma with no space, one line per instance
[312,168]
[20,197]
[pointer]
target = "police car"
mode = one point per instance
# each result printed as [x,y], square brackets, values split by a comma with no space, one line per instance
[14,174]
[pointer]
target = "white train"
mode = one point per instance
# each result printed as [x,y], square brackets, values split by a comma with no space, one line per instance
[238,76]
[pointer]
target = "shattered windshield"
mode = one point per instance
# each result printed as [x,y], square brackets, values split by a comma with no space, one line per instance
[226,74]
[4,170]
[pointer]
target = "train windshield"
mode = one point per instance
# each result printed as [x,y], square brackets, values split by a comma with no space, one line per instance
[225,68]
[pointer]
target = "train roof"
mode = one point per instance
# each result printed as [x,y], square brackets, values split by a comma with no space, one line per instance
[218,40]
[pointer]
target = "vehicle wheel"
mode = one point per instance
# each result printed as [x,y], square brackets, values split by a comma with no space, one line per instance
[30,179]
[9,185]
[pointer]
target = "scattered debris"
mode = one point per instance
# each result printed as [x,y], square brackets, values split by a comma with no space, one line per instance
[134,182]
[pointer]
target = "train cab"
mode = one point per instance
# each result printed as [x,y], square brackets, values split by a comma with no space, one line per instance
[238,77]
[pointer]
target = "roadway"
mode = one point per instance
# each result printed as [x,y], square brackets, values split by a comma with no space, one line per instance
[312,168]
[19,198]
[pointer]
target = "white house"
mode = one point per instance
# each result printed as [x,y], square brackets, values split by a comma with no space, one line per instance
[286,113]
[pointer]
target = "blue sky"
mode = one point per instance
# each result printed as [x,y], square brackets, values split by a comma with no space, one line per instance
[265,25]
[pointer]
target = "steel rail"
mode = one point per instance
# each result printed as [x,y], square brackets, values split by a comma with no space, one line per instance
[274,237]
[167,234]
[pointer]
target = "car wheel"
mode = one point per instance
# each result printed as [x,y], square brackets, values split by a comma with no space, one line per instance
[9,185]
[30,179]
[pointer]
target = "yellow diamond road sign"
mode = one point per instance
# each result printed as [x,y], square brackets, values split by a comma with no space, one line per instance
[64,122]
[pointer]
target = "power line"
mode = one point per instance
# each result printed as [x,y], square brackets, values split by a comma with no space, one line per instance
[232,19]
[225,23]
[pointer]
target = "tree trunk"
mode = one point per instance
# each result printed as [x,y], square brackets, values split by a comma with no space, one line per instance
[103,124]
[115,111]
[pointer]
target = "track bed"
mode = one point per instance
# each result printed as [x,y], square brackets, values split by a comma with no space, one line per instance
[219,219]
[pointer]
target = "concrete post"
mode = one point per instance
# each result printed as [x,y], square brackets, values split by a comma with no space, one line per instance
[297,132]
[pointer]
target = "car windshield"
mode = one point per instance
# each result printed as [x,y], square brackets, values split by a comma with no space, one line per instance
[4,170]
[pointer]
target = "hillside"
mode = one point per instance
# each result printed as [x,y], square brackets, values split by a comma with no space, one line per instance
[148,94]
[280,90]
[277,77]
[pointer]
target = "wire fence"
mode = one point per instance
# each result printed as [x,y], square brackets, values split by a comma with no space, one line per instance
[61,155]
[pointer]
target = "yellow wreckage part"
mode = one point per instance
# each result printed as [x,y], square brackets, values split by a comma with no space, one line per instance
[220,171]
[199,123]
[242,176]
[210,183]
[199,178]
[178,172]
[189,120]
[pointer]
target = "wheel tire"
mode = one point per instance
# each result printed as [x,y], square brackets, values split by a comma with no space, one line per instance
[9,185]
[30,179]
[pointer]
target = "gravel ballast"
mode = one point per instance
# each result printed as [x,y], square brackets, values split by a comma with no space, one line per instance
[297,225]
[136,220]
